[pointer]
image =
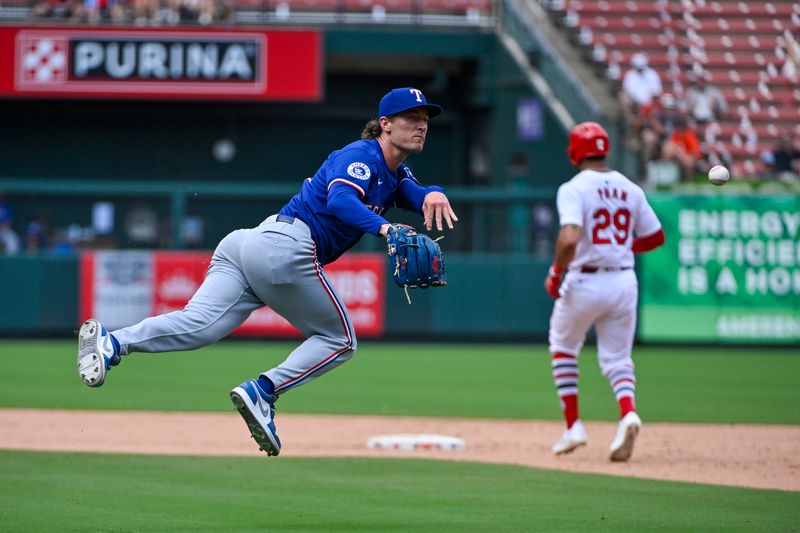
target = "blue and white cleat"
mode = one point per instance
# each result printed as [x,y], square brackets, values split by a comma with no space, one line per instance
[95,353]
[258,410]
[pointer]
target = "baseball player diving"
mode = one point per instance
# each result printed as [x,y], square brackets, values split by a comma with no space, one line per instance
[593,282]
[280,263]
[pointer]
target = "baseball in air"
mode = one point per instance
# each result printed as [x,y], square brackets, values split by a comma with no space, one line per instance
[719,175]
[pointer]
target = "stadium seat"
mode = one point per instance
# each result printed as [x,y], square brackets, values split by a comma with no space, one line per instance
[738,9]
[592,7]
[737,42]
[742,46]
[750,26]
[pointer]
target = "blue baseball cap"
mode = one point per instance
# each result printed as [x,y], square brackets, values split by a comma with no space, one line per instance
[405,98]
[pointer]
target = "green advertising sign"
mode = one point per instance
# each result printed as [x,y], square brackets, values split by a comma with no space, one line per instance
[729,271]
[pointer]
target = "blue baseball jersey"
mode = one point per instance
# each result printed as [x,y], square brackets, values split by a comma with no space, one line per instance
[349,195]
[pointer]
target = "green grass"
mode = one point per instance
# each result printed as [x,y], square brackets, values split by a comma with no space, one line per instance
[86,492]
[724,385]
[96,492]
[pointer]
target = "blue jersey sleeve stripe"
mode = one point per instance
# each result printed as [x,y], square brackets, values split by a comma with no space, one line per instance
[340,180]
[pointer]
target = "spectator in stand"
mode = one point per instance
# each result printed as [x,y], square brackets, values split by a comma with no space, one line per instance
[223,10]
[786,158]
[9,240]
[197,11]
[658,128]
[641,88]
[96,11]
[188,12]
[57,9]
[704,101]
[791,66]
[145,12]
[37,234]
[61,244]
[35,238]
[683,147]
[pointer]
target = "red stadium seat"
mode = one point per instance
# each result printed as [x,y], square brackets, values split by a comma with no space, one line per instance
[736,42]
[741,45]
[634,41]
[736,58]
[592,7]
[626,23]
[737,9]
[749,27]
[776,94]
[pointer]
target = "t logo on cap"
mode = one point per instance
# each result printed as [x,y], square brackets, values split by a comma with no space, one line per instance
[405,98]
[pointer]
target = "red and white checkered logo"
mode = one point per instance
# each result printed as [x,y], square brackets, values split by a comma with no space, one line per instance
[44,59]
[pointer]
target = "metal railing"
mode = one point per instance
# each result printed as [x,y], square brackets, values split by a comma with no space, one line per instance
[493,219]
[476,13]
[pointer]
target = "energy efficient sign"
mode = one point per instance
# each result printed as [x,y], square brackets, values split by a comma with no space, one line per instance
[729,271]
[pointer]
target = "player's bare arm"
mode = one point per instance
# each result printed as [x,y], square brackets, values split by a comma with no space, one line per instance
[436,207]
[568,237]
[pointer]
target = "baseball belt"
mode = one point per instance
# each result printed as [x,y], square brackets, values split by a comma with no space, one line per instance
[593,269]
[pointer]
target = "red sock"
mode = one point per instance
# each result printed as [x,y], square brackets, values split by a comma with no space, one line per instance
[569,404]
[565,375]
[626,405]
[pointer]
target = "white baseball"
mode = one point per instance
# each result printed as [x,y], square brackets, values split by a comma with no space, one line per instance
[719,175]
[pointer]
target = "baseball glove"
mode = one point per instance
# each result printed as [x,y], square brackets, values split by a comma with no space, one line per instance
[415,258]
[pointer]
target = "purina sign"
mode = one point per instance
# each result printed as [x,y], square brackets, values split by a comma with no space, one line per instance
[273,65]
[169,59]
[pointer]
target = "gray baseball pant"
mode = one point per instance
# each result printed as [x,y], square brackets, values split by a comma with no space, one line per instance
[273,264]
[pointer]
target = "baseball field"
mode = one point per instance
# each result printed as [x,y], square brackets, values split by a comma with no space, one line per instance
[159,447]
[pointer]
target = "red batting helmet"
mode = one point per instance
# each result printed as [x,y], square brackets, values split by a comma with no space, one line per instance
[587,139]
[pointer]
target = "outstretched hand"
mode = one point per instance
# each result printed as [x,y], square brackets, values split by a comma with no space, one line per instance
[436,207]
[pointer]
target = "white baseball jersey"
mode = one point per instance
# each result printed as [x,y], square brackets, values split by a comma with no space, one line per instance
[609,208]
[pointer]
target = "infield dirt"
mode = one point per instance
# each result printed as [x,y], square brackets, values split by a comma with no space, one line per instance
[756,456]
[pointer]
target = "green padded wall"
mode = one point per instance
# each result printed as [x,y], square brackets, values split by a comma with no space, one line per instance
[44,292]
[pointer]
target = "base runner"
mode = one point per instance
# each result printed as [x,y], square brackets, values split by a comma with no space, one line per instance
[593,282]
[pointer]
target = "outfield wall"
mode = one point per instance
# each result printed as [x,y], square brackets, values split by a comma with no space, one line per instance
[41,296]
[729,273]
